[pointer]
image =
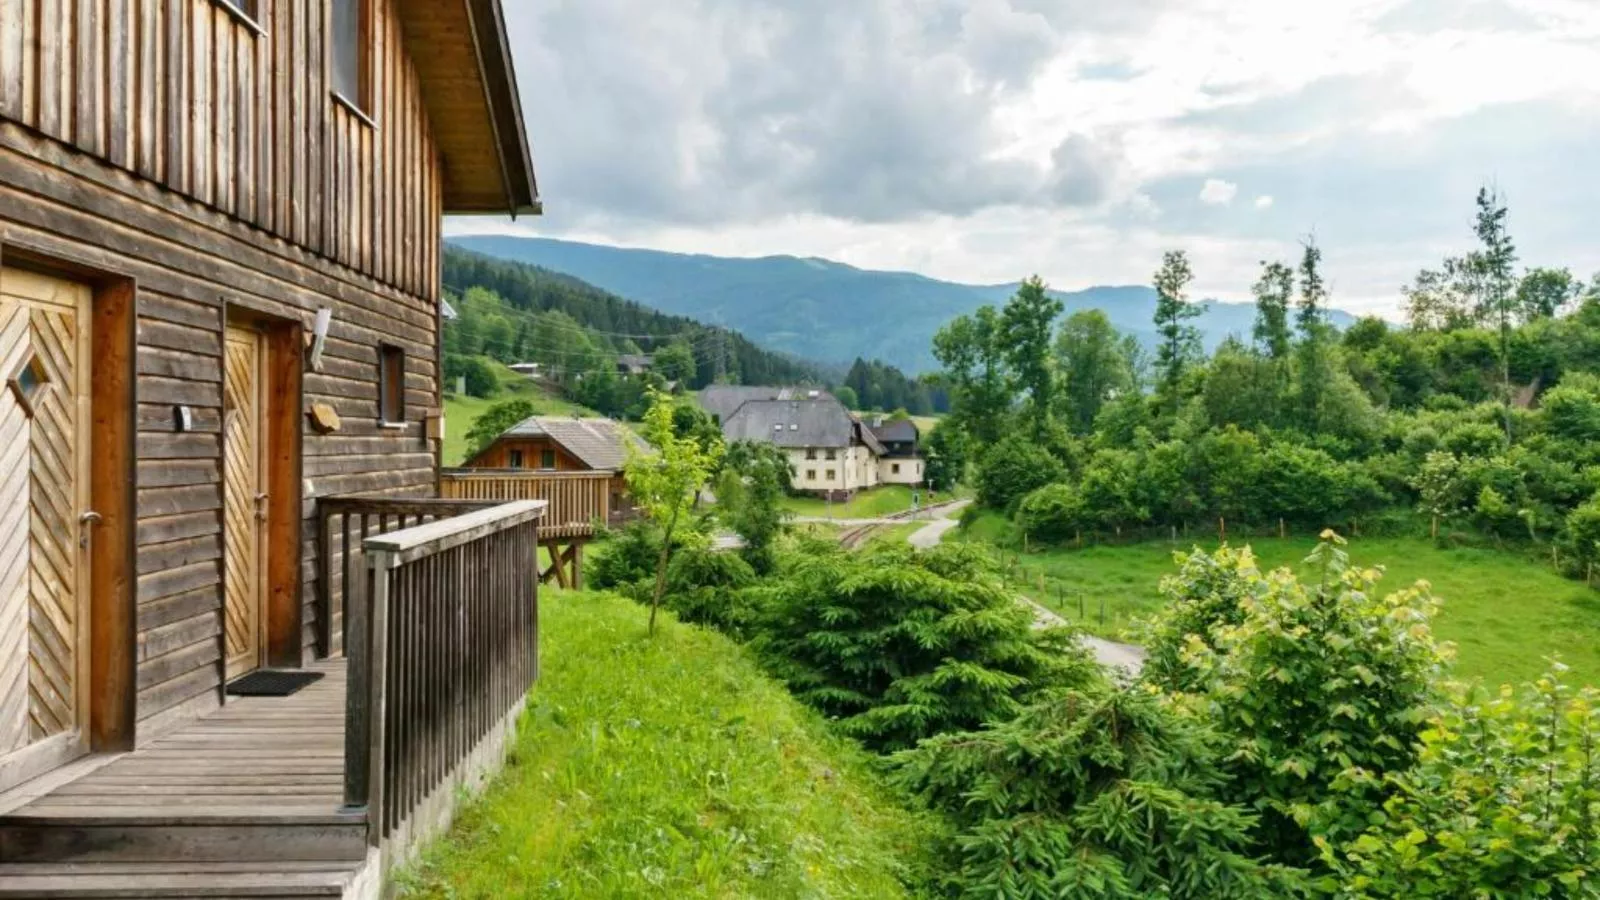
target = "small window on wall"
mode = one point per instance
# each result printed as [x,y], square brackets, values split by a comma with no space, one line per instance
[515,461]
[895,467]
[547,459]
[832,453]
[351,43]
[811,474]
[391,385]
[830,474]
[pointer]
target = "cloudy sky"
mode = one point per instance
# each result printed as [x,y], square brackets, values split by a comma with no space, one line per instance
[984,140]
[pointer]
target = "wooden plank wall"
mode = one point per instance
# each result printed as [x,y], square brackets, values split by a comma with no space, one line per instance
[239,118]
[167,145]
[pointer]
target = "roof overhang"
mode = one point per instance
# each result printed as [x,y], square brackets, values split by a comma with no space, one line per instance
[469,86]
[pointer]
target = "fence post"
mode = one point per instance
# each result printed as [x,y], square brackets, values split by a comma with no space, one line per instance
[1222,528]
[1102,610]
[1081,615]
[1282,531]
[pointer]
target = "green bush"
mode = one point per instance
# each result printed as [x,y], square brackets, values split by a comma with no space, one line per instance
[1053,514]
[1103,793]
[628,557]
[1323,689]
[1501,803]
[899,645]
[1012,468]
[708,588]
[1209,593]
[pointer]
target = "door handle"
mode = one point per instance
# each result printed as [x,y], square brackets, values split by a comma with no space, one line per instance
[88,520]
[261,507]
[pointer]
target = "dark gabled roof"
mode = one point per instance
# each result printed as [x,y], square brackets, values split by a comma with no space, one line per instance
[600,444]
[865,436]
[820,422]
[894,430]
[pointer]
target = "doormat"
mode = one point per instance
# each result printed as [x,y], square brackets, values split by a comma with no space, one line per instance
[272,683]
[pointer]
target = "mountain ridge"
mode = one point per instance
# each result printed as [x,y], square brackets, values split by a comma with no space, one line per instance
[825,310]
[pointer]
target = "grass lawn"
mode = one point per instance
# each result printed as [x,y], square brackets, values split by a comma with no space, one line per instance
[668,767]
[1504,612]
[460,411]
[883,500]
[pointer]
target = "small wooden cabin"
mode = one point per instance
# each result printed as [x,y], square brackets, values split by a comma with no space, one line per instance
[219,302]
[557,444]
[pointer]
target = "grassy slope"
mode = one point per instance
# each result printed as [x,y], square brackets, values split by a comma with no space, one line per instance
[1504,612]
[460,411]
[668,767]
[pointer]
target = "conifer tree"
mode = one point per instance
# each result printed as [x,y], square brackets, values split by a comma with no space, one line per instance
[1180,341]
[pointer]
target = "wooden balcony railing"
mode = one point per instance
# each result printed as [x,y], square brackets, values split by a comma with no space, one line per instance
[577,499]
[343,523]
[443,647]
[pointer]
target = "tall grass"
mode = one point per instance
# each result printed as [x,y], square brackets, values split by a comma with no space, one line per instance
[670,767]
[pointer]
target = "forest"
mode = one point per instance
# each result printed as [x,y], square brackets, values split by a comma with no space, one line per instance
[1479,420]
[515,312]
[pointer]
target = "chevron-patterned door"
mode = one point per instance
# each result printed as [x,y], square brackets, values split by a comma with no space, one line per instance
[243,443]
[44,537]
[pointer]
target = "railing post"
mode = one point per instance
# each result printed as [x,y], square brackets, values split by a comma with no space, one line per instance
[358,722]
[324,581]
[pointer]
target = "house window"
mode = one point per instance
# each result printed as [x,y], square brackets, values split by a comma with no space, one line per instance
[830,474]
[547,459]
[515,462]
[832,453]
[811,453]
[811,474]
[391,385]
[895,468]
[351,41]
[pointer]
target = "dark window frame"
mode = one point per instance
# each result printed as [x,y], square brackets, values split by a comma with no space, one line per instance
[514,459]
[357,97]
[547,456]
[391,385]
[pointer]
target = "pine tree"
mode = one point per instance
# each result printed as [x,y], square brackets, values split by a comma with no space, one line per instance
[1180,342]
[1273,294]
[1498,301]
[1312,322]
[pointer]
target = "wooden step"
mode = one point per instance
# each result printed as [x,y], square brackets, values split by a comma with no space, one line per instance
[163,834]
[84,881]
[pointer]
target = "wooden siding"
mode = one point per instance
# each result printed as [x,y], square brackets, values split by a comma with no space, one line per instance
[188,263]
[239,118]
[498,455]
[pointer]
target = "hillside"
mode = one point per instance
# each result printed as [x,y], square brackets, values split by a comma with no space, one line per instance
[696,775]
[608,323]
[823,310]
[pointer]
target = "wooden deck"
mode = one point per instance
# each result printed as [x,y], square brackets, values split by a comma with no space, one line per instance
[243,802]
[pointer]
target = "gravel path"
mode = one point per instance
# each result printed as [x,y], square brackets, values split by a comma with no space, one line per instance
[932,533]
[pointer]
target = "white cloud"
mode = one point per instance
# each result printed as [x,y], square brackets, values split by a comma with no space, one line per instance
[980,141]
[1217,192]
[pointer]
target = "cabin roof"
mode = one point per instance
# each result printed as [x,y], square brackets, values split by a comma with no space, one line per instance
[896,430]
[600,444]
[723,400]
[469,86]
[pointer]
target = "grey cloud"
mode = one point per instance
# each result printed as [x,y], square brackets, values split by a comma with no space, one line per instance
[718,111]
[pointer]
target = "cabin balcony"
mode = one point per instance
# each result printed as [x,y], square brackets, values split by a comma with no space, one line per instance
[318,793]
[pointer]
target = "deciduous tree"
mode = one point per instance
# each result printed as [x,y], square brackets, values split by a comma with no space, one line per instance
[666,481]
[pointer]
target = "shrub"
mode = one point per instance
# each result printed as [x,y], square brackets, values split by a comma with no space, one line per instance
[1323,688]
[1053,514]
[1207,595]
[1013,468]
[628,558]
[1501,803]
[707,587]
[900,645]
[1582,535]
[1101,793]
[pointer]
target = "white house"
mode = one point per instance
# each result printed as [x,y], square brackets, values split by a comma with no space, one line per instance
[831,450]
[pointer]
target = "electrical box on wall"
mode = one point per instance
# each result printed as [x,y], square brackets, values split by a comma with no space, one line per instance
[434,424]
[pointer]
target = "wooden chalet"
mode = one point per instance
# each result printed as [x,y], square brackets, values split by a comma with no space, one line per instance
[573,464]
[219,336]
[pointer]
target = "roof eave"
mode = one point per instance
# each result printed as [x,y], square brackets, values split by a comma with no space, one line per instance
[499,76]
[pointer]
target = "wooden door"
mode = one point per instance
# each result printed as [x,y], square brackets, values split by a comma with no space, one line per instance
[44,521]
[243,502]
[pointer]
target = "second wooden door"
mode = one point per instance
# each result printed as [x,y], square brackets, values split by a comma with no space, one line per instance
[244,502]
